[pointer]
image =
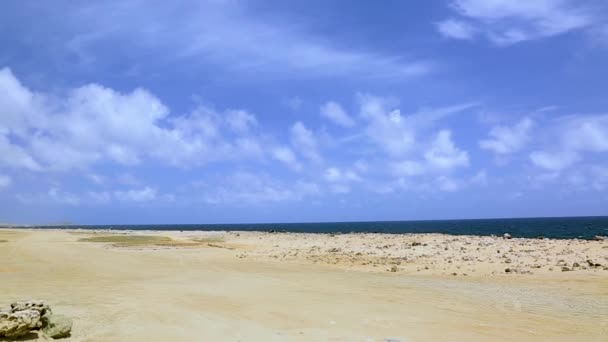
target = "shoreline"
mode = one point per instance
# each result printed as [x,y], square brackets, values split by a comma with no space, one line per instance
[282,231]
[410,253]
[183,286]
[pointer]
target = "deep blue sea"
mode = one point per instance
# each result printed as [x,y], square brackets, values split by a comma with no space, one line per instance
[550,227]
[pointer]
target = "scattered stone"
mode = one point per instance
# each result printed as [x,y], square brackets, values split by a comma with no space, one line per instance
[394,269]
[565,268]
[576,264]
[592,264]
[599,238]
[416,243]
[508,270]
[506,236]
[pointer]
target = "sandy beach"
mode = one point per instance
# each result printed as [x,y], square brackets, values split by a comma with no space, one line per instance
[248,286]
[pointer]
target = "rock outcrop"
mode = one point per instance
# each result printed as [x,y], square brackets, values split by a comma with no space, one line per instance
[18,324]
[26,317]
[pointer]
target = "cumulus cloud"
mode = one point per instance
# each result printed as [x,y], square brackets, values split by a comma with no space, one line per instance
[572,138]
[94,123]
[394,132]
[510,22]
[443,154]
[508,139]
[334,112]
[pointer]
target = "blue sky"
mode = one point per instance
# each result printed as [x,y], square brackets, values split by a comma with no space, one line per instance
[244,111]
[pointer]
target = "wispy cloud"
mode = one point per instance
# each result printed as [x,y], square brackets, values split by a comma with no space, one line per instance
[223,34]
[509,22]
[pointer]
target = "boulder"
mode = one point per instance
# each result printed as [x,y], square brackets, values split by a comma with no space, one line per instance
[506,236]
[21,318]
[56,326]
[19,323]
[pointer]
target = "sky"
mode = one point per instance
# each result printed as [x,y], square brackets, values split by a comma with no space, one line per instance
[227,111]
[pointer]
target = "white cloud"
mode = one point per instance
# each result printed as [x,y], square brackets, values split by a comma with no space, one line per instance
[385,126]
[5,181]
[340,180]
[93,124]
[443,154]
[286,156]
[554,160]
[571,139]
[335,175]
[15,156]
[240,121]
[505,140]
[136,195]
[334,112]
[305,142]
[394,132]
[457,29]
[510,22]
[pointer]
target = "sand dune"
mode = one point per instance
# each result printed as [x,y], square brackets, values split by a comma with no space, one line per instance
[187,286]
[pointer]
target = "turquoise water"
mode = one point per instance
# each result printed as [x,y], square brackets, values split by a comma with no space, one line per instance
[551,227]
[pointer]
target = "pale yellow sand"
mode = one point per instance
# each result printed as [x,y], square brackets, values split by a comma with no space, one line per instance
[298,287]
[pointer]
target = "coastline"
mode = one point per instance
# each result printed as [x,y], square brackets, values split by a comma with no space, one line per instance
[292,286]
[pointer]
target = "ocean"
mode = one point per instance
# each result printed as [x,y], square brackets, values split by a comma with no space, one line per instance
[550,227]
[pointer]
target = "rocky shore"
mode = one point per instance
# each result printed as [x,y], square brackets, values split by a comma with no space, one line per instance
[428,253]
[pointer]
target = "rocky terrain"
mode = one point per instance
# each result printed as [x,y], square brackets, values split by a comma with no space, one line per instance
[428,253]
